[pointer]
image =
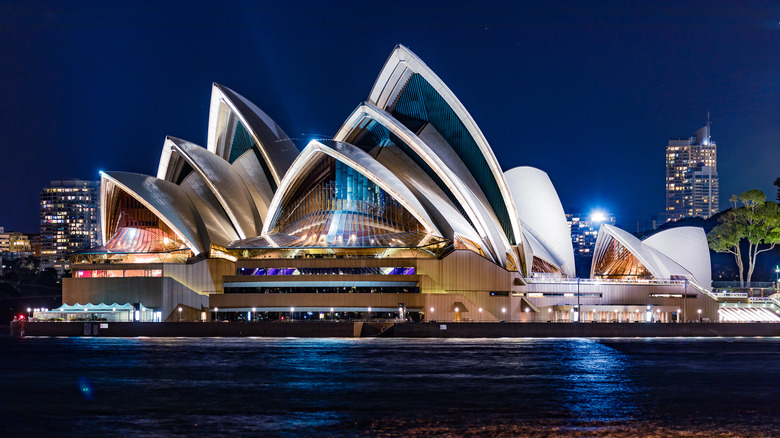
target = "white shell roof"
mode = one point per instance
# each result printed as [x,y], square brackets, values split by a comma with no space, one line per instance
[400,65]
[221,230]
[688,247]
[662,255]
[275,146]
[225,184]
[447,218]
[541,214]
[166,200]
[536,249]
[436,156]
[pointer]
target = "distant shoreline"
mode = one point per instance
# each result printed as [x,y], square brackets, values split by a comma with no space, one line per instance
[394,330]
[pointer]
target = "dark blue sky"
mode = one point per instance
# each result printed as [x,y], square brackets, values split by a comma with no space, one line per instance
[590,92]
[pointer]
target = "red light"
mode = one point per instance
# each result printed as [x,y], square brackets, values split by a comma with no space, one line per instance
[21,317]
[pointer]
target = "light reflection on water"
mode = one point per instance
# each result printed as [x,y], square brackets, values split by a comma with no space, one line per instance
[596,383]
[358,387]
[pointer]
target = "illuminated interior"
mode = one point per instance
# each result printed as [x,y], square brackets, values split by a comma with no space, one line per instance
[335,206]
[618,262]
[135,228]
[540,266]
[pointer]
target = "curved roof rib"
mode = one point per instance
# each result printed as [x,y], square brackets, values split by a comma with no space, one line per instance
[225,183]
[538,250]
[260,189]
[361,162]
[172,167]
[236,125]
[474,207]
[451,117]
[541,214]
[165,199]
[221,230]
[443,212]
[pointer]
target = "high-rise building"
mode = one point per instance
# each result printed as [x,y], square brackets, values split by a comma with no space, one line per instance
[69,217]
[692,176]
[585,229]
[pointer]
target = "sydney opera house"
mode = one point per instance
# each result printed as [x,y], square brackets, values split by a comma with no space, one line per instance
[405,212]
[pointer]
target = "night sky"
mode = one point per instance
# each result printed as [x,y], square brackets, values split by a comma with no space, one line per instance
[590,92]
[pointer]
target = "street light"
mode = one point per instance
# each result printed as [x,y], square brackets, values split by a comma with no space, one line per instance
[369,314]
[254,313]
[180,309]
[29,313]
[699,312]
[480,314]
[777,271]
[292,309]
[678,314]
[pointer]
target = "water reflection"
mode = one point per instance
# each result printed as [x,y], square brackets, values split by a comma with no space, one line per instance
[596,382]
[370,387]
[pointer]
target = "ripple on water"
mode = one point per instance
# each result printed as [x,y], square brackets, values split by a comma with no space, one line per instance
[408,387]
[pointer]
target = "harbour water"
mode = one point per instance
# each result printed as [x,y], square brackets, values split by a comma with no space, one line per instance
[389,387]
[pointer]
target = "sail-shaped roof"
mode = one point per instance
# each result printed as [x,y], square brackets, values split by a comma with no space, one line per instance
[540,213]
[166,200]
[407,88]
[675,253]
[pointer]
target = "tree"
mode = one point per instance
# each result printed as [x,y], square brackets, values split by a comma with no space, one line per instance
[757,223]
[726,237]
[777,184]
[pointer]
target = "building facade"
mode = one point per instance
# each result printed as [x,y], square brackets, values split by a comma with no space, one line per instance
[692,186]
[404,213]
[14,242]
[70,217]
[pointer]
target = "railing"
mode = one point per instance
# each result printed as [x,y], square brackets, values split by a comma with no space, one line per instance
[746,285]
[594,281]
[730,294]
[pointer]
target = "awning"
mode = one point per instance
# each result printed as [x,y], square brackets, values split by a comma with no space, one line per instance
[97,308]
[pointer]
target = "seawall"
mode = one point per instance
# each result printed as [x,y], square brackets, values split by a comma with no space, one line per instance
[388,329]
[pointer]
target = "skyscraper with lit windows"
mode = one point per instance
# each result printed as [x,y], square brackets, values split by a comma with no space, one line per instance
[692,176]
[70,219]
[584,230]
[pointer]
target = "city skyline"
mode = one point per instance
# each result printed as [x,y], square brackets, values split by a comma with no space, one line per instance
[98,88]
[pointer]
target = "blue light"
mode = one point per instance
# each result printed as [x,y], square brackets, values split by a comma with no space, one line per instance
[85,388]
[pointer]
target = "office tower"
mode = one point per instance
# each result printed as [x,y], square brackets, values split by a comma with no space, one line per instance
[585,229]
[692,176]
[69,217]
